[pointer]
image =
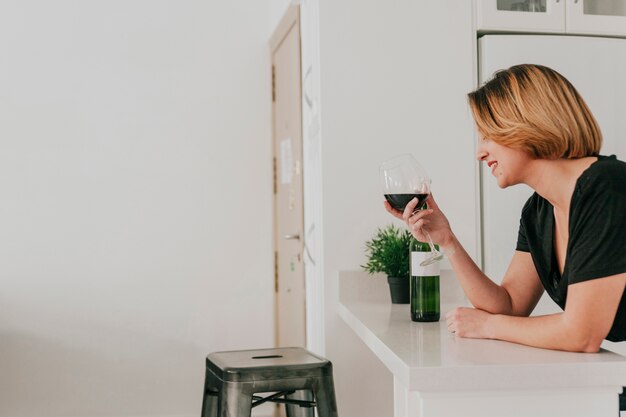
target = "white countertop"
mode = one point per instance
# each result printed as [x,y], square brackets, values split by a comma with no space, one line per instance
[427,357]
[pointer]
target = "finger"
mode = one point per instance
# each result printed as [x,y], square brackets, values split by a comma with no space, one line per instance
[452,328]
[409,209]
[452,314]
[417,225]
[449,320]
[420,214]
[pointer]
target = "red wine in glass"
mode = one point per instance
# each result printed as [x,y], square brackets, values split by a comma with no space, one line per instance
[399,201]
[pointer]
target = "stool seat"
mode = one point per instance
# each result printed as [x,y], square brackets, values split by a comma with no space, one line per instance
[261,364]
[301,377]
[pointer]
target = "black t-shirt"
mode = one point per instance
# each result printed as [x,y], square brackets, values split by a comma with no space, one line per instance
[597,235]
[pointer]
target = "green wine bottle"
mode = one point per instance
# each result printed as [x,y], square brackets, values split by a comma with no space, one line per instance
[424,284]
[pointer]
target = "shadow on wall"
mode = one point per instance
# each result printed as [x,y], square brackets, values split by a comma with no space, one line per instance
[43,376]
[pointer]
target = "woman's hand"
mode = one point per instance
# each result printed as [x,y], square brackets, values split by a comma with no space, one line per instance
[432,219]
[469,322]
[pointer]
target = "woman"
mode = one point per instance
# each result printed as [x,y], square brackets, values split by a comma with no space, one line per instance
[536,129]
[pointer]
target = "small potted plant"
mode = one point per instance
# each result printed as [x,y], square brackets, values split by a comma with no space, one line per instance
[389,252]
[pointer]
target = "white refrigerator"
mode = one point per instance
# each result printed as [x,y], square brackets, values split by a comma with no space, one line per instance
[597,68]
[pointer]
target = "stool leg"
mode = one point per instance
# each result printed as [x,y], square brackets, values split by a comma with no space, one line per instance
[235,401]
[210,396]
[296,410]
[209,405]
[325,398]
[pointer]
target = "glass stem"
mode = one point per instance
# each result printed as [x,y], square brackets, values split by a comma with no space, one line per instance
[430,241]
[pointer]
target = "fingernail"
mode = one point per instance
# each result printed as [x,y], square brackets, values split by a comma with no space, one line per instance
[431,210]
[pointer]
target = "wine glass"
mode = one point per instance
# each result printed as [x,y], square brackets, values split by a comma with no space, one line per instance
[404,179]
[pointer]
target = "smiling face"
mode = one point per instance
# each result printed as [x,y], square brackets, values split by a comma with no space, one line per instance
[508,165]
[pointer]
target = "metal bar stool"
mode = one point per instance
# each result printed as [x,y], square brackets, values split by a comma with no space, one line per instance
[298,378]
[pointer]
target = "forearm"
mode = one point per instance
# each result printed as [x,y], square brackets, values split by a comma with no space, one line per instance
[548,332]
[481,291]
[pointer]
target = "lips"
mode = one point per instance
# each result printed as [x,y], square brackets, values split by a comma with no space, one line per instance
[493,165]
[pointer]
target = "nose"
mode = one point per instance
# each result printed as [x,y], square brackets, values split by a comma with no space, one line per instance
[481,153]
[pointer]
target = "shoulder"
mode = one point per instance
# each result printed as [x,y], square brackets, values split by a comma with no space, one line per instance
[536,206]
[607,174]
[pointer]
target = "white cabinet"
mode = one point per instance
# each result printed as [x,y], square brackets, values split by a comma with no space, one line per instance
[596,17]
[521,16]
[592,17]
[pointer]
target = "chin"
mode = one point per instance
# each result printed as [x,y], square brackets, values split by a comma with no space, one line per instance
[502,183]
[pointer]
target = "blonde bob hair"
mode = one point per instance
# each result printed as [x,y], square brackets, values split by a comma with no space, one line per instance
[534,108]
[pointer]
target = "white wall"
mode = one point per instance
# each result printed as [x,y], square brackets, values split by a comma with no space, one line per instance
[135,201]
[394,76]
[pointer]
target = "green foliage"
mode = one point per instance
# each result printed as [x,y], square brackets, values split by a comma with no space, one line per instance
[389,252]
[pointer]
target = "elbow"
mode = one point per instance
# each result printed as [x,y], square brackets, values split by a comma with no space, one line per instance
[582,336]
[586,343]
[591,346]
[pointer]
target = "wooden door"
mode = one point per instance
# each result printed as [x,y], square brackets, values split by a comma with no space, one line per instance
[288,193]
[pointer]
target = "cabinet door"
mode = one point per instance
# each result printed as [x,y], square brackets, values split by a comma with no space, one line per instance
[521,15]
[596,17]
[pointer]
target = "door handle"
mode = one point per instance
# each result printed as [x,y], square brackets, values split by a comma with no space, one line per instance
[291,237]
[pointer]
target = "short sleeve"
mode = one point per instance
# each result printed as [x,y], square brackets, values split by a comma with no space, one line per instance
[522,241]
[525,218]
[597,246]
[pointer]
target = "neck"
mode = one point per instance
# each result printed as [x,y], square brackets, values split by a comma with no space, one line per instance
[555,180]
